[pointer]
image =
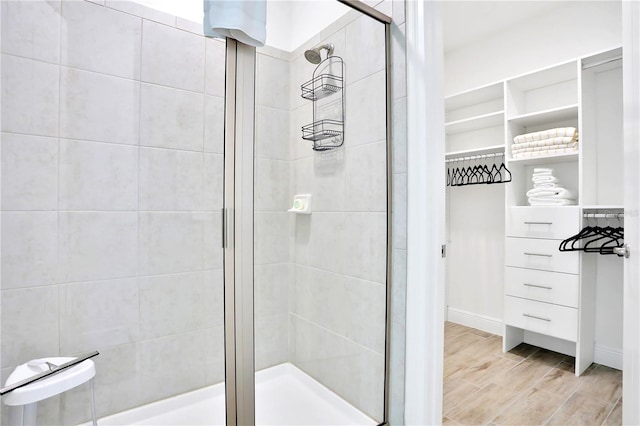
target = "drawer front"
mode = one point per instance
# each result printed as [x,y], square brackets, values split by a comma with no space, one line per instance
[540,317]
[554,223]
[543,286]
[540,254]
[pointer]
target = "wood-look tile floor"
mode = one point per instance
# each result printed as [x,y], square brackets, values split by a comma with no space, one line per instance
[525,386]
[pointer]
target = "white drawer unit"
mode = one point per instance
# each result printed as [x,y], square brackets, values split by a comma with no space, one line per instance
[543,286]
[542,222]
[540,254]
[546,318]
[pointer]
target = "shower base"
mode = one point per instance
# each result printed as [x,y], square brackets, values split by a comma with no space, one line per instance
[284,396]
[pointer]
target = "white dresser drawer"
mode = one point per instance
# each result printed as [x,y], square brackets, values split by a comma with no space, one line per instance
[540,254]
[556,223]
[540,317]
[543,286]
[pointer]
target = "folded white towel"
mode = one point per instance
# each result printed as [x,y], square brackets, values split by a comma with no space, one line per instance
[544,179]
[517,150]
[551,202]
[245,21]
[551,193]
[545,142]
[544,185]
[547,134]
[542,170]
[545,153]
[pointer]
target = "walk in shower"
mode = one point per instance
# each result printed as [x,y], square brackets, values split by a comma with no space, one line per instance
[134,149]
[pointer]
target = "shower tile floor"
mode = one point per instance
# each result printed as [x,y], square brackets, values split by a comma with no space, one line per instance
[527,385]
[284,396]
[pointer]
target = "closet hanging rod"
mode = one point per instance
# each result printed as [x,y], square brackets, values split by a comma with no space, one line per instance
[606,61]
[603,215]
[474,157]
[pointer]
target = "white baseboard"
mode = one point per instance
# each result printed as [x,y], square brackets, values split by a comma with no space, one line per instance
[610,357]
[480,322]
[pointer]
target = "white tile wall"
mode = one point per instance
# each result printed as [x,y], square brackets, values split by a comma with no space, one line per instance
[171,118]
[366,111]
[171,180]
[214,355]
[366,311]
[171,242]
[215,67]
[366,182]
[29,249]
[171,304]
[88,28]
[271,231]
[98,107]
[172,58]
[31,29]
[272,133]
[111,190]
[213,181]
[213,298]
[31,88]
[271,290]
[97,245]
[98,176]
[177,359]
[272,186]
[365,48]
[214,124]
[212,240]
[98,314]
[272,82]
[271,341]
[29,312]
[29,172]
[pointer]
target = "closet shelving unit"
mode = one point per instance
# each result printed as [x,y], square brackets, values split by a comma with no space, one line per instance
[549,296]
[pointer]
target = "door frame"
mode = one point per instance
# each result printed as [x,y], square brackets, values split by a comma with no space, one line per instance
[425,284]
[631,314]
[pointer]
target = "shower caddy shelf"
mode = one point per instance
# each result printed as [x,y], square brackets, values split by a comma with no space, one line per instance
[327,129]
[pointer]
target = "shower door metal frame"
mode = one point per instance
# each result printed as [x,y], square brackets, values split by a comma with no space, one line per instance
[238,223]
[237,233]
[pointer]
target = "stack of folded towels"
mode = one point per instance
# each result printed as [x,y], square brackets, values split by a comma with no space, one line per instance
[563,140]
[547,190]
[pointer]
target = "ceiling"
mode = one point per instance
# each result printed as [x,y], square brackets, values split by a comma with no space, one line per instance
[466,21]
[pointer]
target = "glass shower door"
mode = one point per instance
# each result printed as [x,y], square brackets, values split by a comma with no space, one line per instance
[320,219]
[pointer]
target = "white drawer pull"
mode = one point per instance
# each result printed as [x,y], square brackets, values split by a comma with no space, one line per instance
[535,317]
[538,286]
[538,254]
[538,223]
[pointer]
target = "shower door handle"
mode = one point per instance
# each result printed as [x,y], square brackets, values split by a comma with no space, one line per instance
[224,228]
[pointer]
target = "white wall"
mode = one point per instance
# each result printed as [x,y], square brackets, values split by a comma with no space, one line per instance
[574,30]
[289,23]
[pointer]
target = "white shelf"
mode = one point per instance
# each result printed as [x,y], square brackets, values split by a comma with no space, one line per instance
[475,123]
[474,96]
[603,207]
[547,159]
[552,115]
[476,151]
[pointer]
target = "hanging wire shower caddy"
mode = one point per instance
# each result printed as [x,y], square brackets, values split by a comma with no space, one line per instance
[325,90]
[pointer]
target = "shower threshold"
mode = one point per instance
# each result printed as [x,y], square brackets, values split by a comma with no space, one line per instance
[284,396]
